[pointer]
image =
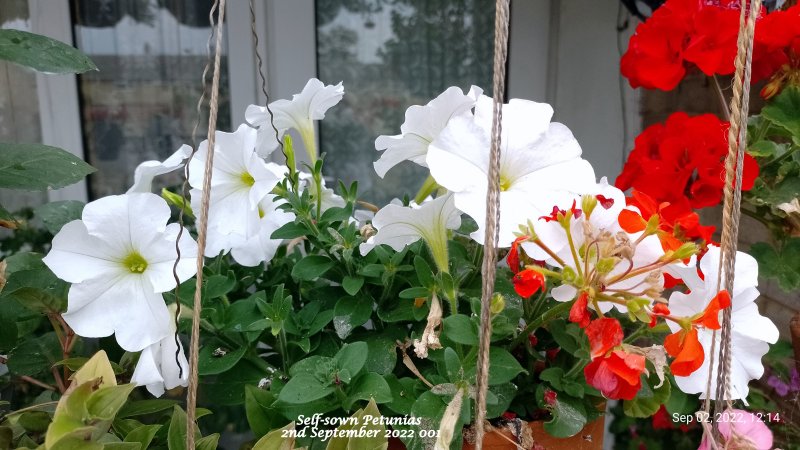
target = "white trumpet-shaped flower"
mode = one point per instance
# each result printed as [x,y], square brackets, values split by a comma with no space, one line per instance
[259,247]
[298,113]
[119,258]
[540,164]
[146,171]
[422,125]
[751,333]
[162,366]
[399,226]
[240,179]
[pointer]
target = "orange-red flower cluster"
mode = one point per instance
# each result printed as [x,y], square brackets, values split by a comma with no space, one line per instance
[613,371]
[681,162]
[683,34]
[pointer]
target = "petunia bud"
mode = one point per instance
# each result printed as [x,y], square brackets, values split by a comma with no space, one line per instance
[588,203]
[498,304]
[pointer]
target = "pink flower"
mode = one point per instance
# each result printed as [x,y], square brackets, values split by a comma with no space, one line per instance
[746,426]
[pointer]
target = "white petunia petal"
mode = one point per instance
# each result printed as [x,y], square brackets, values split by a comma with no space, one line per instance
[126,306]
[298,113]
[146,171]
[564,293]
[76,256]
[422,125]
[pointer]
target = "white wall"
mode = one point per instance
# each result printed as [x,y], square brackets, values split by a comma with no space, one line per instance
[565,52]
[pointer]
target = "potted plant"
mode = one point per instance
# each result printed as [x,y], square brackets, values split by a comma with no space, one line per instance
[329,322]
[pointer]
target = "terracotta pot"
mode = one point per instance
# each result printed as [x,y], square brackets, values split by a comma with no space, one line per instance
[590,438]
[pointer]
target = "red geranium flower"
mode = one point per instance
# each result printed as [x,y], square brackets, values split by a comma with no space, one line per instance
[604,334]
[617,375]
[579,312]
[513,255]
[527,282]
[681,161]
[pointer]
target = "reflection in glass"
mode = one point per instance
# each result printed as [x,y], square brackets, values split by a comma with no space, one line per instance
[392,54]
[141,104]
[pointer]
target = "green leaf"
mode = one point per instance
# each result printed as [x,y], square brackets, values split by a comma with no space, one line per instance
[352,357]
[460,329]
[312,267]
[415,292]
[765,149]
[336,214]
[352,285]
[304,388]
[35,355]
[505,394]
[503,367]
[57,214]
[782,111]
[34,421]
[143,435]
[349,313]
[228,387]
[452,364]
[144,407]
[554,376]
[368,386]
[122,446]
[215,359]
[104,403]
[208,442]
[403,394]
[382,355]
[42,53]
[783,264]
[8,333]
[424,272]
[261,416]
[6,215]
[176,435]
[649,398]
[569,417]
[291,230]
[37,167]
[371,433]
[281,439]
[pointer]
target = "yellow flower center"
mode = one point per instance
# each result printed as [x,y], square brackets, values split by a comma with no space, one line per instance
[247,179]
[505,183]
[135,263]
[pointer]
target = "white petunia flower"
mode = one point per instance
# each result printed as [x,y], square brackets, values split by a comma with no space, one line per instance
[422,125]
[399,226]
[119,259]
[157,368]
[540,164]
[751,333]
[240,180]
[146,171]
[259,247]
[299,113]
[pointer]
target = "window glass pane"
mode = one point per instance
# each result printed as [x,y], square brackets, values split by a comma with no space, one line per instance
[141,104]
[19,109]
[392,54]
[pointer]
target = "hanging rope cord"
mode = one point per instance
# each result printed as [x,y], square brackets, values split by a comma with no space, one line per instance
[734,165]
[202,223]
[489,265]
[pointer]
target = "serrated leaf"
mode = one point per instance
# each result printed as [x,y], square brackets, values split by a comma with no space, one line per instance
[37,167]
[42,53]
[782,111]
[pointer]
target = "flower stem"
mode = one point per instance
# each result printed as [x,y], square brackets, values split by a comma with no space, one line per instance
[548,315]
[572,249]
[428,186]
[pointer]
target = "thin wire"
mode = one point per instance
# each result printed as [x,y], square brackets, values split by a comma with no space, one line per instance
[492,216]
[263,77]
[202,228]
[185,189]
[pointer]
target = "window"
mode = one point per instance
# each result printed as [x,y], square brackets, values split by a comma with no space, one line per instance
[391,55]
[141,104]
